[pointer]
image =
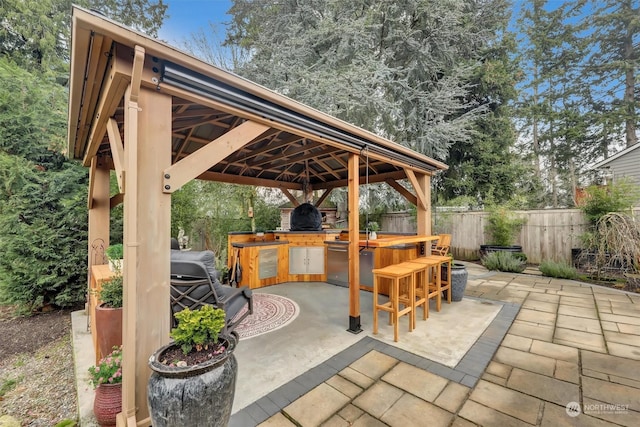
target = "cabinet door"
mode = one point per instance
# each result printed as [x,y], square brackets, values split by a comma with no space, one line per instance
[315,260]
[267,263]
[297,260]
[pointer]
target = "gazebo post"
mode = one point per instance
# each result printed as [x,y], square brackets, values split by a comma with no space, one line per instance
[423,218]
[354,246]
[99,210]
[147,221]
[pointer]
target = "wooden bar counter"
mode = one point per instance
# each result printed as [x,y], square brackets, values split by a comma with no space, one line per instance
[302,256]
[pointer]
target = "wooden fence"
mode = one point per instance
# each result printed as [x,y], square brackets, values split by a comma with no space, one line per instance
[548,234]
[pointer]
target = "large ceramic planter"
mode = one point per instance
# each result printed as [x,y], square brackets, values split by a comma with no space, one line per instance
[107,403]
[199,395]
[459,276]
[108,329]
[486,249]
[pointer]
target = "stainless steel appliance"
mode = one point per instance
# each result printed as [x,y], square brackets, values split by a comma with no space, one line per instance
[338,265]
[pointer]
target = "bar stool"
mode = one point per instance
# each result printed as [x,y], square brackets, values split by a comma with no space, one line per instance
[431,286]
[397,275]
[421,284]
[445,282]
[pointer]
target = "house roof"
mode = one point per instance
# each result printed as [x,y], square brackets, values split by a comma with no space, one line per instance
[619,154]
[300,148]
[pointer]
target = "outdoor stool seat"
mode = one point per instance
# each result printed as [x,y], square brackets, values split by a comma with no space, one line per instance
[399,277]
[431,286]
[420,280]
[445,281]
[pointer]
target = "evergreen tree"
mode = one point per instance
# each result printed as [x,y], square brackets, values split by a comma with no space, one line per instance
[43,215]
[487,168]
[402,69]
[36,33]
[613,34]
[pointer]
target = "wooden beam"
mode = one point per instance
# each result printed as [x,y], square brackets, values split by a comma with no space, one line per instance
[116,200]
[117,151]
[98,216]
[246,180]
[420,192]
[195,164]
[354,246]
[146,243]
[423,214]
[324,196]
[363,180]
[403,191]
[291,198]
[92,172]
[116,84]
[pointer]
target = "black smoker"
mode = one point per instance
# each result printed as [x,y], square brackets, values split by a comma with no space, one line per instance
[306,217]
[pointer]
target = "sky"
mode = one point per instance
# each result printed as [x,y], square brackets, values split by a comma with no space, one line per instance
[187,16]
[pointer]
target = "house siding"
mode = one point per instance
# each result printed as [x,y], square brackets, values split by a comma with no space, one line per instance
[628,166]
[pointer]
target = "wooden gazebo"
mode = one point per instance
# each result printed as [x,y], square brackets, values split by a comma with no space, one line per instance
[161,118]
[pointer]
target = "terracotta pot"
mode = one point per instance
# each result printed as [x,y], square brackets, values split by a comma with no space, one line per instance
[199,395]
[107,403]
[108,329]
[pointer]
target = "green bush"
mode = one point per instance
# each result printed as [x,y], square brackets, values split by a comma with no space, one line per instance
[558,270]
[616,197]
[115,251]
[521,256]
[111,292]
[198,328]
[503,261]
[502,226]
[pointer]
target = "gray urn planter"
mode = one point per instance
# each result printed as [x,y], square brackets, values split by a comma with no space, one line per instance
[200,395]
[459,276]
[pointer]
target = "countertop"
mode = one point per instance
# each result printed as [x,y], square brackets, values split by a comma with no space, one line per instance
[266,243]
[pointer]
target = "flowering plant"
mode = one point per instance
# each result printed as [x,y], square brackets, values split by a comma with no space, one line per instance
[108,370]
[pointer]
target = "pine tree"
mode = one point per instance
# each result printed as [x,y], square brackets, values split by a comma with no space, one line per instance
[402,69]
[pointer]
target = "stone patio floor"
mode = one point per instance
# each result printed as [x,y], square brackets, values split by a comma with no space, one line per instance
[561,353]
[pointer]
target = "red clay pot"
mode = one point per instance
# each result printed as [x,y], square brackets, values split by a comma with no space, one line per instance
[107,403]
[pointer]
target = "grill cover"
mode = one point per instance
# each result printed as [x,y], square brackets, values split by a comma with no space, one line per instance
[306,217]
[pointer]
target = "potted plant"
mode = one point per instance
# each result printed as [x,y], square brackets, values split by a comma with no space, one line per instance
[502,227]
[194,377]
[115,253]
[108,314]
[373,227]
[106,379]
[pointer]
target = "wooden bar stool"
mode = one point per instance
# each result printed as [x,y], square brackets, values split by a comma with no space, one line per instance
[398,276]
[431,286]
[420,280]
[445,282]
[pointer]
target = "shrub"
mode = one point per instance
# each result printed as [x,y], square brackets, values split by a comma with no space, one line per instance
[502,226]
[115,251]
[616,197]
[198,328]
[111,292]
[558,270]
[503,261]
[521,256]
